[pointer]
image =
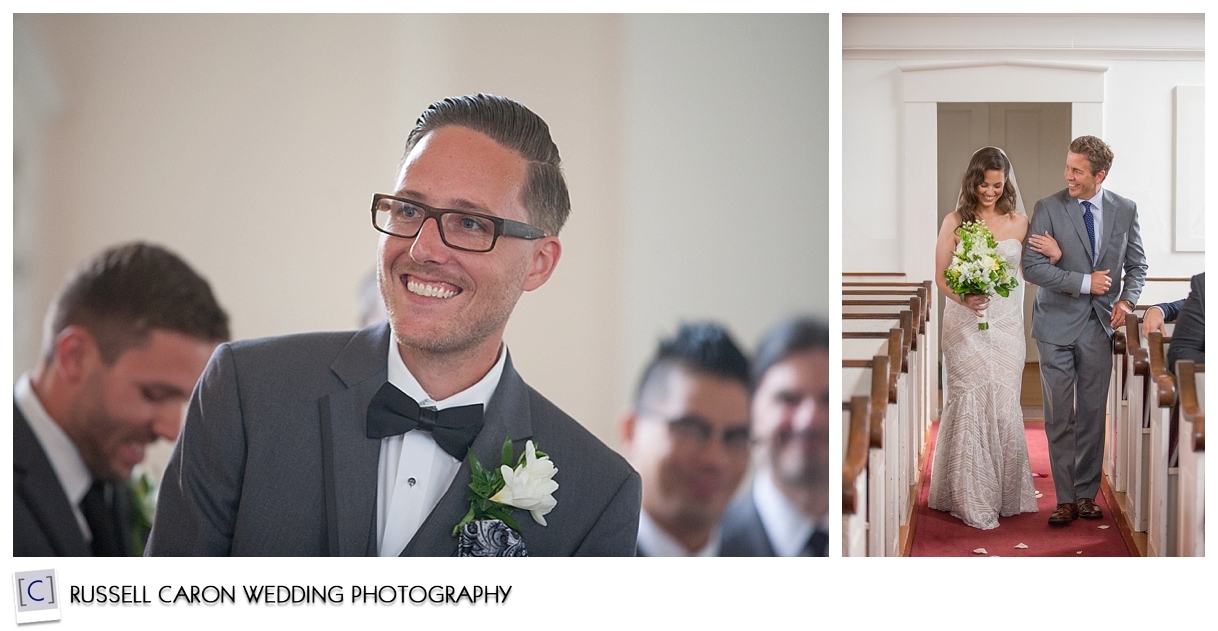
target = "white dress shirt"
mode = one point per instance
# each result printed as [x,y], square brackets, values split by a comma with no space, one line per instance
[654,541]
[1097,220]
[413,472]
[786,526]
[69,467]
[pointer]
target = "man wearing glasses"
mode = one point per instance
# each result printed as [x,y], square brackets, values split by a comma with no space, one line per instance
[357,443]
[688,435]
[786,511]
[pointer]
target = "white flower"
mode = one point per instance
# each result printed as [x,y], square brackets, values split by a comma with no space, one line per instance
[530,486]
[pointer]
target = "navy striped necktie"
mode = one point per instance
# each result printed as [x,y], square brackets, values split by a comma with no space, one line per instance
[1089,219]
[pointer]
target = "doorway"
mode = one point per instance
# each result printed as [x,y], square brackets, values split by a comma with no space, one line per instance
[1035,137]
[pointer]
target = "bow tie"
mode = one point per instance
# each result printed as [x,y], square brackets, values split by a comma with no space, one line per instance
[393,412]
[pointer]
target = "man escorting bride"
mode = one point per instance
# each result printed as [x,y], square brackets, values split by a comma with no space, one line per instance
[1084,253]
[1082,239]
[981,465]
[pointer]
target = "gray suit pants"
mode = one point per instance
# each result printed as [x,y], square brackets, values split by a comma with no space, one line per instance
[1074,379]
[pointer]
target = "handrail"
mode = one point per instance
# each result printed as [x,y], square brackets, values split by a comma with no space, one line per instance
[879,389]
[879,392]
[921,307]
[1163,377]
[874,302]
[911,337]
[898,355]
[876,315]
[855,460]
[1190,406]
[1135,349]
[873,273]
[881,292]
[898,361]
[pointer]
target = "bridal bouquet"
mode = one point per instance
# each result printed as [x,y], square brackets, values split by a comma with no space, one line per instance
[977,269]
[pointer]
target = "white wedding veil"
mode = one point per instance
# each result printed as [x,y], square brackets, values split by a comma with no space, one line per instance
[1011,179]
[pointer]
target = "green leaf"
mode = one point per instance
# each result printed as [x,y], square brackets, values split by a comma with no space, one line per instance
[507,519]
[506,458]
[464,520]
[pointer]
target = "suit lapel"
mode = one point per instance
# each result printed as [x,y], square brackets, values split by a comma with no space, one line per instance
[507,414]
[1111,208]
[1074,211]
[349,457]
[36,484]
[762,539]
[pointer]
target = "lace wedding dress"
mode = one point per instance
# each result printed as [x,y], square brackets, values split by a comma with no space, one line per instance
[981,466]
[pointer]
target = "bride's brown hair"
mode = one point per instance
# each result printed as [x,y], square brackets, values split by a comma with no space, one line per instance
[986,159]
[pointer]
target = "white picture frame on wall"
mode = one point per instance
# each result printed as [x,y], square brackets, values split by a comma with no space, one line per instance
[1188,212]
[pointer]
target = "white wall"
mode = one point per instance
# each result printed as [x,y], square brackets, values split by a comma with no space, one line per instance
[695,148]
[1145,58]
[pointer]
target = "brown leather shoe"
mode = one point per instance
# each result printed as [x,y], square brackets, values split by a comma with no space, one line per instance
[1087,509]
[1063,514]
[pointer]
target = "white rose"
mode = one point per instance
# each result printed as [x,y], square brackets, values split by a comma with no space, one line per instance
[530,486]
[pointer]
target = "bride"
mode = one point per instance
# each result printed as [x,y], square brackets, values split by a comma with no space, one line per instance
[981,466]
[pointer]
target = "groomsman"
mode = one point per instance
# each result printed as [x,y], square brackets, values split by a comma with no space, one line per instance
[126,339]
[786,510]
[1085,255]
[1188,337]
[688,435]
[359,443]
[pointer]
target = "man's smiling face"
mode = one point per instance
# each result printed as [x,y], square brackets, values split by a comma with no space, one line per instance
[441,300]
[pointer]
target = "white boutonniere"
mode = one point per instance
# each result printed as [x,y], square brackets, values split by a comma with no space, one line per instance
[494,494]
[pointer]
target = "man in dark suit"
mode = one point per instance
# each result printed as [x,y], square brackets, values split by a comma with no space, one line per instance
[688,434]
[1188,336]
[1085,254]
[356,443]
[786,511]
[127,337]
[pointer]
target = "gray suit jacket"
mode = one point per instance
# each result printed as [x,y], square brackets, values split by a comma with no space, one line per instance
[43,521]
[273,460]
[743,533]
[1059,313]
[1188,336]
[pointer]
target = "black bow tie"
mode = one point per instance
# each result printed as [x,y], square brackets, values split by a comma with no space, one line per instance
[393,412]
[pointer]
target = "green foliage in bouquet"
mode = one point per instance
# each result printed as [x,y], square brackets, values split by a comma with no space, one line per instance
[976,268]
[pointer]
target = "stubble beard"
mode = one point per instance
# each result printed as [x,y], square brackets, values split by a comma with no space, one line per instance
[461,334]
[796,469]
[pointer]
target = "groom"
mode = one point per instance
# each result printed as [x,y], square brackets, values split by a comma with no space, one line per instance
[1088,282]
[339,443]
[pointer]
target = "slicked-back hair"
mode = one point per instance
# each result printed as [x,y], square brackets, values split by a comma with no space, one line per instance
[124,293]
[700,348]
[985,159]
[1095,150]
[789,337]
[514,127]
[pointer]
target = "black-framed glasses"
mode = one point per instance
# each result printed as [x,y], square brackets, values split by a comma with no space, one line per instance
[694,432]
[459,229]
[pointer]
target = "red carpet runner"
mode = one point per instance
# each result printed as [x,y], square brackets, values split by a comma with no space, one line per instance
[938,534]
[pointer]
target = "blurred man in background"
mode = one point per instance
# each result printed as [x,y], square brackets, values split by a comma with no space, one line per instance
[688,436]
[786,511]
[126,339]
